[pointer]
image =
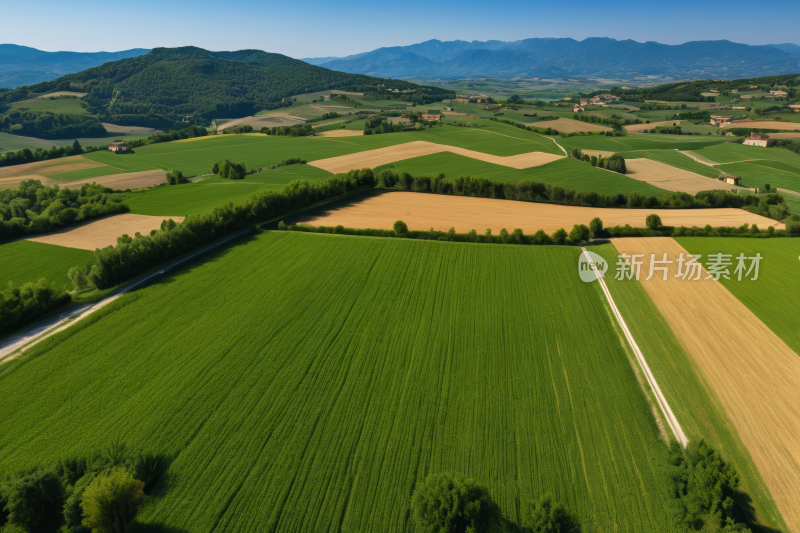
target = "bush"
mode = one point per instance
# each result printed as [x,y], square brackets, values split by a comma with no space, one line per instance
[230,171]
[111,501]
[596,226]
[19,306]
[793,225]
[174,177]
[35,500]
[400,227]
[653,221]
[579,233]
[450,503]
[547,516]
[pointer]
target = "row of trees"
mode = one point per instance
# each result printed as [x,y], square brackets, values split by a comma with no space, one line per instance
[298,130]
[35,208]
[615,163]
[49,125]
[229,170]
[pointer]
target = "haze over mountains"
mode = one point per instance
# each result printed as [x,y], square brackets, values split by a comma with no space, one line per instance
[596,57]
[22,65]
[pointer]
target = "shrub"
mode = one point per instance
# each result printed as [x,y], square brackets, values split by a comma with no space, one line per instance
[653,221]
[547,516]
[579,233]
[792,225]
[400,227]
[111,501]
[596,226]
[450,503]
[559,236]
[174,177]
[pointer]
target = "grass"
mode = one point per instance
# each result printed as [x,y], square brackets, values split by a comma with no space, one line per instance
[256,150]
[773,295]
[86,173]
[697,408]
[755,175]
[733,152]
[673,159]
[10,142]
[309,382]
[63,106]
[639,142]
[26,261]
[567,173]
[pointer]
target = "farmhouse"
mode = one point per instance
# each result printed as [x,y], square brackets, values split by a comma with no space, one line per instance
[756,140]
[734,90]
[795,108]
[577,109]
[120,147]
[432,118]
[732,180]
[779,93]
[739,108]
[567,98]
[609,97]
[720,121]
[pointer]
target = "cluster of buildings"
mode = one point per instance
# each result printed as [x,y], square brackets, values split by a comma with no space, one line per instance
[603,99]
[720,121]
[119,147]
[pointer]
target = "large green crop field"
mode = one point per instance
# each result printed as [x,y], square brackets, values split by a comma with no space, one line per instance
[309,382]
[697,408]
[567,173]
[773,296]
[639,142]
[204,196]
[756,175]
[26,261]
[733,152]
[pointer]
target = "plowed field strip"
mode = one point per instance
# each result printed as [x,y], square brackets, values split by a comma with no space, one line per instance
[103,232]
[752,371]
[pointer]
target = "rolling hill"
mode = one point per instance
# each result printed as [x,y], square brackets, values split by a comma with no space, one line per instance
[592,57]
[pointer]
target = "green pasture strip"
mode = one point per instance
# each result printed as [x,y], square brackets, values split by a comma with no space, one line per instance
[755,175]
[773,296]
[792,201]
[86,173]
[9,143]
[673,159]
[698,410]
[61,106]
[566,173]
[27,261]
[638,142]
[123,162]
[193,198]
[734,152]
[357,366]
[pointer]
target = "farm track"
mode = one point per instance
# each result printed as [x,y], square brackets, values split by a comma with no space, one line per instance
[672,420]
[754,373]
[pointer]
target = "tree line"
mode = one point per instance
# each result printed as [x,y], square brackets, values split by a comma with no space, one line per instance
[49,125]
[615,162]
[36,208]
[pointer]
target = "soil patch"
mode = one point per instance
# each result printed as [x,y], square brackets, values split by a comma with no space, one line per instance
[765,124]
[569,125]
[114,128]
[752,371]
[638,128]
[345,92]
[673,179]
[785,135]
[390,154]
[422,211]
[269,121]
[131,180]
[103,232]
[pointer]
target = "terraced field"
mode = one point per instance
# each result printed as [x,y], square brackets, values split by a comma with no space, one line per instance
[347,371]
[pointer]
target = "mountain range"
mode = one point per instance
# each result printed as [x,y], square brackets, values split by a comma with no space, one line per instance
[596,57]
[22,65]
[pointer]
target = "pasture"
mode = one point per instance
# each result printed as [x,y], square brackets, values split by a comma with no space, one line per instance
[26,261]
[60,106]
[699,411]
[410,358]
[751,370]
[565,172]
[735,152]
[639,142]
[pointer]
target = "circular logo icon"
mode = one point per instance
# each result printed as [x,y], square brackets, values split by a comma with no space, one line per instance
[591,266]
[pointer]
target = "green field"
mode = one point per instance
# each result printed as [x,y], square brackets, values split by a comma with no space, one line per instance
[308,382]
[567,173]
[256,150]
[10,142]
[204,196]
[755,175]
[675,159]
[697,408]
[733,152]
[639,142]
[62,106]
[773,295]
[86,173]
[26,261]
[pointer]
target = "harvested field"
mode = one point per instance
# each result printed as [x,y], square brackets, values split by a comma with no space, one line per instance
[113,128]
[345,92]
[269,121]
[422,211]
[636,128]
[785,135]
[44,171]
[709,94]
[569,125]
[340,133]
[103,232]
[674,179]
[765,124]
[390,154]
[604,153]
[130,180]
[63,93]
[754,373]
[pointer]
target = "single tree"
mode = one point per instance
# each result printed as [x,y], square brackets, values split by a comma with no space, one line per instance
[34,501]
[451,503]
[767,187]
[400,228]
[76,148]
[653,221]
[579,233]
[111,501]
[596,226]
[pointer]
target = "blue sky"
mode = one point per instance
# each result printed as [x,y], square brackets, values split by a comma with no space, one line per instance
[313,28]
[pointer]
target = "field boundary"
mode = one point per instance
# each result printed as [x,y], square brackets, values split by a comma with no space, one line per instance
[651,380]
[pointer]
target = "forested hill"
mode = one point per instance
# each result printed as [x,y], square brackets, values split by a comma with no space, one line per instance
[692,91]
[157,88]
